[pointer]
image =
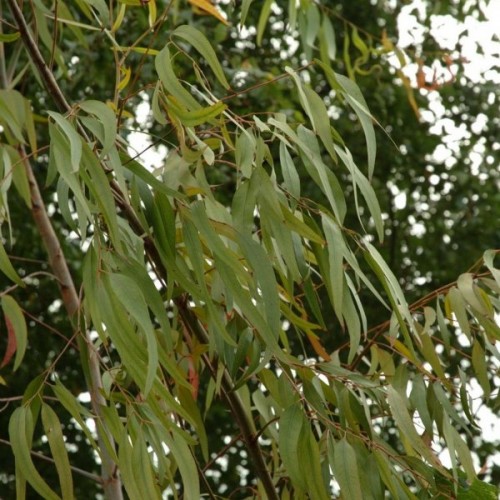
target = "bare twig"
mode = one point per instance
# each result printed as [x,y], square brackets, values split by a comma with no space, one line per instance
[76,470]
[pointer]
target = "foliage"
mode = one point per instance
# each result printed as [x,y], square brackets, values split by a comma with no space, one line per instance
[235,307]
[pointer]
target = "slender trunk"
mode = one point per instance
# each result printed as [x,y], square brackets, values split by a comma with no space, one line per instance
[110,477]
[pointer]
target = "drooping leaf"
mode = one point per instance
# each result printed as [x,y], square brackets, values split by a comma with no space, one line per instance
[21,428]
[16,325]
[54,433]
[345,467]
[200,42]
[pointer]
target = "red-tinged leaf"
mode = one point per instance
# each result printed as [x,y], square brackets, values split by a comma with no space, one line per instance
[11,343]
[318,348]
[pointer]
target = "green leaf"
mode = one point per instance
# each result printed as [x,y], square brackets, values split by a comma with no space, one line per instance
[327,41]
[265,11]
[336,246]
[75,409]
[386,473]
[200,42]
[54,433]
[321,174]
[19,176]
[131,297]
[478,490]
[361,182]
[406,427]
[108,120]
[394,288]
[13,114]
[290,175]
[245,6]
[265,278]
[357,101]
[14,314]
[9,37]
[21,428]
[455,304]
[316,110]
[290,428]
[165,70]
[127,469]
[141,466]
[488,258]
[196,117]
[245,152]
[345,468]
[98,184]
[479,365]
[7,268]
[74,139]
[467,288]
[187,466]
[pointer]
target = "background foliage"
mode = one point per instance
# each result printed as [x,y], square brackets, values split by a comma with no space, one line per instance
[259,291]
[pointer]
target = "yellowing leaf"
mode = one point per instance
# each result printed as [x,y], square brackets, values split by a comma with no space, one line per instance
[125,73]
[206,6]
[196,117]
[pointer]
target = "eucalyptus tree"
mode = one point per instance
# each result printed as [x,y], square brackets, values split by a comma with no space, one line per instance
[231,306]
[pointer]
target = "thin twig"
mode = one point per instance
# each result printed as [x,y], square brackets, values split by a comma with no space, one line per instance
[76,470]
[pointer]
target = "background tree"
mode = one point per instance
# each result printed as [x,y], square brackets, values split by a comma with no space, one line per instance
[223,320]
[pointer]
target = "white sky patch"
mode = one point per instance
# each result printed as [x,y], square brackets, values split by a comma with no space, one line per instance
[151,157]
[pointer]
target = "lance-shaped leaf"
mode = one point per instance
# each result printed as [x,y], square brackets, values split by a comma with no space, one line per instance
[132,298]
[200,42]
[21,428]
[355,98]
[196,117]
[290,427]
[54,433]
[165,70]
[17,324]
[345,468]
[316,111]
[406,427]
[74,139]
[107,119]
[207,6]
[7,268]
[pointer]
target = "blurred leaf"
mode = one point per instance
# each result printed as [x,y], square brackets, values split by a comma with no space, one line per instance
[206,6]
[264,16]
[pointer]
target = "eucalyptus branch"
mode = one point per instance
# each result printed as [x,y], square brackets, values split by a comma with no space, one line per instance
[57,261]
[379,329]
[189,319]
[236,406]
